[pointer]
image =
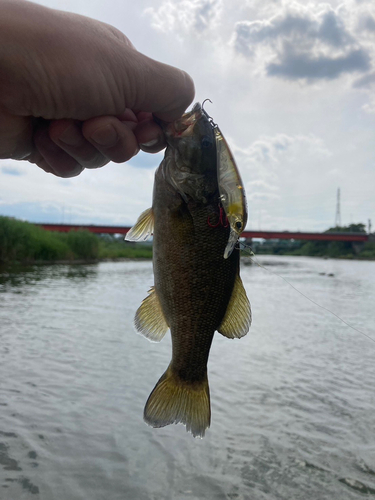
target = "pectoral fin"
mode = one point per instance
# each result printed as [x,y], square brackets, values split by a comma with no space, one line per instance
[149,319]
[237,319]
[143,228]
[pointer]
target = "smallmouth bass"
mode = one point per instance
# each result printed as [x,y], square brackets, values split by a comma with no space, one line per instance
[197,215]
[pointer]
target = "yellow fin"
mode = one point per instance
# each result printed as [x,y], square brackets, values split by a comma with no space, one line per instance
[176,401]
[143,228]
[237,319]
[149,318]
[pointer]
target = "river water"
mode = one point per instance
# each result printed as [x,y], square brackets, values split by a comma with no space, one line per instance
[293,402]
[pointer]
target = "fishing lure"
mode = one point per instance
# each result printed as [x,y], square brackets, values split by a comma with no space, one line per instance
[231,189]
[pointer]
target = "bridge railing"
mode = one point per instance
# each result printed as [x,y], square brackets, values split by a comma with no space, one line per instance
[281,235]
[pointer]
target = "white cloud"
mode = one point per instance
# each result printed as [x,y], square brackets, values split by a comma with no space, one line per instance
[115,194]
[302,42]
[182,16]
[297,135]
[365,81]
[272,172]
[369,107]
[294,65]
[366,22]
[267,153]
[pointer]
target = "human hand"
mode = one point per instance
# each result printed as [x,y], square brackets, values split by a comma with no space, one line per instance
[75,93]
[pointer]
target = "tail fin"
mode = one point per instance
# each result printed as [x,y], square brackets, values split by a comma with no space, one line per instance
[174,400]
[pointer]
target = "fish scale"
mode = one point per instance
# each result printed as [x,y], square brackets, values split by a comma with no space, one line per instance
[205,282]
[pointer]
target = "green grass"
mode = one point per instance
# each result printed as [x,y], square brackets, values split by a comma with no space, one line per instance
[368,251]
[111,247]
[23,242]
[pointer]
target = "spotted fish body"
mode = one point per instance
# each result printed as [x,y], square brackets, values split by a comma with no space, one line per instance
[196,290]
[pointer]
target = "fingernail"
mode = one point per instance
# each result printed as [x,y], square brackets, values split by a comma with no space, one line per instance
[150,143]
[105,136]
[70,136]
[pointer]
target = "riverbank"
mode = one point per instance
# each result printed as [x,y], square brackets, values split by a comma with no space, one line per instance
[25,243]
[325,249]
[22,242]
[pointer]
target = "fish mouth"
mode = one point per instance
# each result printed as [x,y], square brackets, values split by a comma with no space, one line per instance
[184,126]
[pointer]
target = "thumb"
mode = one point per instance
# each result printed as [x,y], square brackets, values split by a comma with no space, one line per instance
[163,90]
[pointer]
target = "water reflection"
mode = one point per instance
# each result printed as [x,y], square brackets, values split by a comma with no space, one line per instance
[19,276]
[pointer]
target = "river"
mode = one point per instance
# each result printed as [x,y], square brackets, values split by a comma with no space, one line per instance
[293,402]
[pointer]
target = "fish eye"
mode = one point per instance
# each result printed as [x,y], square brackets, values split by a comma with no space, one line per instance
[206,142]
[238,225]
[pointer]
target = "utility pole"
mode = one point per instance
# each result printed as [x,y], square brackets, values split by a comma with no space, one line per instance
[338,211]
[369,226]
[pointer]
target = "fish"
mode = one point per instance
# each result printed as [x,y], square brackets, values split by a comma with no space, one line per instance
[197,286]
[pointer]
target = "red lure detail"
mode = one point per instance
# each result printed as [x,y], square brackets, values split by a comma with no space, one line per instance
[223,221]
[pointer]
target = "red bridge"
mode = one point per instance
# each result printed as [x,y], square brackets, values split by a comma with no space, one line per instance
[281,235]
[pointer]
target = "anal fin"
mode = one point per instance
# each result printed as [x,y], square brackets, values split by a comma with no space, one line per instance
[237,319]
[149,319]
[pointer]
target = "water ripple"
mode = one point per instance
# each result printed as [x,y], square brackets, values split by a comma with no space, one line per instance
[292,402]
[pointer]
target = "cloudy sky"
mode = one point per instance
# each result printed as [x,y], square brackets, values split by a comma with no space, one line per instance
[293,90]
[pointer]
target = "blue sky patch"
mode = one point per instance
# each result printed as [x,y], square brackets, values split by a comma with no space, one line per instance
[11,171]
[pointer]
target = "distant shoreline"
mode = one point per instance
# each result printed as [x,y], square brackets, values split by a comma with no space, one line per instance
[325,249]
[324,257]
[25,243]
[22,243]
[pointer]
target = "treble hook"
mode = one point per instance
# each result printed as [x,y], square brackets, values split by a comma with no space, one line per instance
[208,116]
[204,102]
[221,221]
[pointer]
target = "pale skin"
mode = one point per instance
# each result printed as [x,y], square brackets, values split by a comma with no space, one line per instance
[75,93]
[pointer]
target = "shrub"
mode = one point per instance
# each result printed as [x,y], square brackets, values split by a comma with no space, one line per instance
[84,245]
